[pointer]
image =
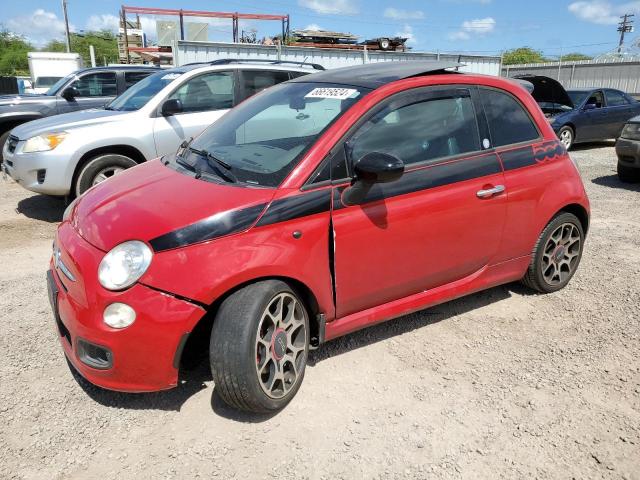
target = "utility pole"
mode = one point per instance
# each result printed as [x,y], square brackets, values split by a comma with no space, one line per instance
[625,26]
[66,24]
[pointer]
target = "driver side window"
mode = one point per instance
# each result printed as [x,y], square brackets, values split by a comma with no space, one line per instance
[210,91]
[101,84]
[597,99]
[423,131]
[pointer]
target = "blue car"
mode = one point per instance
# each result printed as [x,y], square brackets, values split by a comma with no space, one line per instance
[582,115]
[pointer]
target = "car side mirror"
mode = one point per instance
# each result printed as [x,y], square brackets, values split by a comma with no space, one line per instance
[171,107]
[372,168]
[70,93]
[590,106]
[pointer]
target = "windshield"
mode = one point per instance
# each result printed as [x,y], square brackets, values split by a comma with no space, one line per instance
[262,139]
[58,85]
[577,96]
[139,94]
[42,82]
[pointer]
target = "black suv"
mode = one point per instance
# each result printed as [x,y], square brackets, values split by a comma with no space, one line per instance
[87,88]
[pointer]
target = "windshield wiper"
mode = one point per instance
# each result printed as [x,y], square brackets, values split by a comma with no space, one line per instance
[213,162]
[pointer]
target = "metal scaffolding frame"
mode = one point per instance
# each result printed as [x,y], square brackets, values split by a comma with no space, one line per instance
[233,16]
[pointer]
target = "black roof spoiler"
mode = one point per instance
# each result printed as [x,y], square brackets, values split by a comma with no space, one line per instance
[228,61]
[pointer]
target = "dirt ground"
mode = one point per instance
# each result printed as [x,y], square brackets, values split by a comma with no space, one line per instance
[501,384]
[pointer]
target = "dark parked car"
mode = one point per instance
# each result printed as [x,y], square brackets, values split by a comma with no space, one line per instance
[628,151]
[582,115]
[87,88]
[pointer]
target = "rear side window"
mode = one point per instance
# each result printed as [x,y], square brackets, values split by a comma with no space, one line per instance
[254,81]
[508,121]
[615,98]
[424,131]
[131,78]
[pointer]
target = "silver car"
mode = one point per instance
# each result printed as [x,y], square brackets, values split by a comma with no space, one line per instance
[67,154]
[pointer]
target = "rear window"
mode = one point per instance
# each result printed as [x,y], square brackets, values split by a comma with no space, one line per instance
[508,120]
[131,78]
[615,98]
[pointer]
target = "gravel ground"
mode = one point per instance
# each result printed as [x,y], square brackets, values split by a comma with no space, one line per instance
[501,384]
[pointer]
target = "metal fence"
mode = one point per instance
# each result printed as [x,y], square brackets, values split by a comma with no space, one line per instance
[189,52]
[620,74]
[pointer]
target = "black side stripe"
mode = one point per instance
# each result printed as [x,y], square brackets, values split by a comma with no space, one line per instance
[223,223]
[431,177]
[303,205]
[531,155]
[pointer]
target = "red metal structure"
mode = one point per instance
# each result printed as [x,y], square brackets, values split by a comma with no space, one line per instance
[233,16]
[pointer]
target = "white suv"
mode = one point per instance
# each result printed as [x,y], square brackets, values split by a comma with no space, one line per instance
[67,154]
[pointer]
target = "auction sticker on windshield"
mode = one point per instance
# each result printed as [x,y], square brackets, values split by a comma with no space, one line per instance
[337,93]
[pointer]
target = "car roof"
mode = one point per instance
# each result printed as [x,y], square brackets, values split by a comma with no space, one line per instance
[245,65]
[374,75]
[119,67]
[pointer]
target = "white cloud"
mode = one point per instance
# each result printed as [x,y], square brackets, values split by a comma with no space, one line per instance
[602,12]
[104,21]
[474,28]
[407,32]
[329,6]
[39,27]
[397,14]
[313,26]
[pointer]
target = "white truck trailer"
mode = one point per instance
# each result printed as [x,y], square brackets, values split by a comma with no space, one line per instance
[48,67]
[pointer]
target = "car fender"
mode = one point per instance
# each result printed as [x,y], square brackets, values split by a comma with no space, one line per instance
[16,118]
[270,251]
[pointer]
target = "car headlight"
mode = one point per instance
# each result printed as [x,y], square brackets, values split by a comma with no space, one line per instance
[631,131]
[44,143]
[124,265]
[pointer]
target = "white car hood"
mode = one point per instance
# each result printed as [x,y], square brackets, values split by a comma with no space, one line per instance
[67,122]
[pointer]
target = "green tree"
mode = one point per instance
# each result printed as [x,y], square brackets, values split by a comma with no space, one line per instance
[13,54]
[575,57]
[104,43]
[522,55]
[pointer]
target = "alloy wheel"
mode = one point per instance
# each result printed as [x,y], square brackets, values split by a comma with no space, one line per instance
[105,173]
[280,345]
[561,254]
[566,137]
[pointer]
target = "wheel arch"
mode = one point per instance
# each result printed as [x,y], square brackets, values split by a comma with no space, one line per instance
[127,150]
[198,341]
[579,211]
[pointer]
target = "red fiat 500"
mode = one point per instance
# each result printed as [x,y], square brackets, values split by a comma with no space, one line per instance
[318,207]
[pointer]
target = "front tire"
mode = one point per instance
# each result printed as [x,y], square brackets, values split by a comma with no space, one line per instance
[3,139]
[259,347]
[566,136]
[556,255]
[628,174]
[99,168]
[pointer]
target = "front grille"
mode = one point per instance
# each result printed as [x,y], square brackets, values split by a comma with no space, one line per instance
[94,355]
[12,142]
[42,173]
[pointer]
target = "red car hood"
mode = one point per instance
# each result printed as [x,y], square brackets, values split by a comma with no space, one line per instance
[151,200]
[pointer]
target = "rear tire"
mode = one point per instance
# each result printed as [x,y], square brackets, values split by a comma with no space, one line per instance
[259,347]
[99,168]
[628,174]
[556,255]
[566,136]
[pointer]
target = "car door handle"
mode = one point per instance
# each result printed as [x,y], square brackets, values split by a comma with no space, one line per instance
[490,192]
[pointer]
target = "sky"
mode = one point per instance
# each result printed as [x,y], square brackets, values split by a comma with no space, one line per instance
[467,26]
